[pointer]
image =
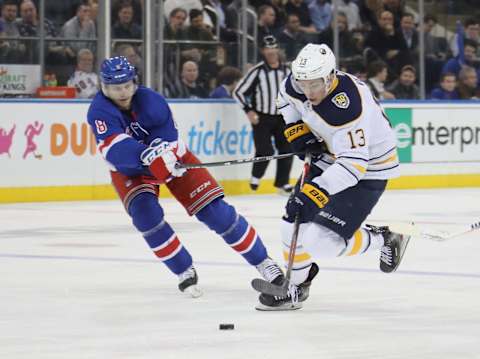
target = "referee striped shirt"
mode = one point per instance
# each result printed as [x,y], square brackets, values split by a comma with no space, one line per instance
[258,89]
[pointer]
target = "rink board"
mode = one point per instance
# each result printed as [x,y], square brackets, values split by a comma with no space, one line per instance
[47,151]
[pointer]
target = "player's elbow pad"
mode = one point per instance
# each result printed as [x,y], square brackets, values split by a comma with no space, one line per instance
[302,139]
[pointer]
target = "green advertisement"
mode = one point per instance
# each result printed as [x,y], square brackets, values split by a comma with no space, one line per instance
[401,120]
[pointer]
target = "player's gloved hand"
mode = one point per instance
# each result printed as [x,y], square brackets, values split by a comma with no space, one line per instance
[161,157]
[302,139]
[307,202]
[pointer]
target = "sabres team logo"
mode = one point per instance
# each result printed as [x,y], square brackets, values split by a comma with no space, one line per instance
[341,100]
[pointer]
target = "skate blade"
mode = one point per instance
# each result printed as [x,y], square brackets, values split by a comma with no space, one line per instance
[404,249]
[193,291]
[281,308]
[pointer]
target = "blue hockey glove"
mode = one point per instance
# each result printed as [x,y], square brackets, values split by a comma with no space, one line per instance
[307,202]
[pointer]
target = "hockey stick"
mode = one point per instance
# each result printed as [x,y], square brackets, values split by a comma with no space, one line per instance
[444,236]
[266,287]
[235,162]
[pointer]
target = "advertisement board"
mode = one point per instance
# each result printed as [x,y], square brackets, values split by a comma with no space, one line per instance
[48,144]
[19,79]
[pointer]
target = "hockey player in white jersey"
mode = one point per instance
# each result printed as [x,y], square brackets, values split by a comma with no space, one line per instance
[319,103]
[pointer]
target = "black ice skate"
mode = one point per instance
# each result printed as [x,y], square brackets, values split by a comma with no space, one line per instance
[393,249]
[188,282]
[294,298]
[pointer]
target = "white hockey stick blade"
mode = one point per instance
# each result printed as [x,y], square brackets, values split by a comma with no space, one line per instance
[441,236]
[265,287]
[419,231]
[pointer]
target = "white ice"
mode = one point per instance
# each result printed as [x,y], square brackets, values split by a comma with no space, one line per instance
[77,281]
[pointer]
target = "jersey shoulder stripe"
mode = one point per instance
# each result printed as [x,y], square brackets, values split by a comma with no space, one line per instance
[343,105]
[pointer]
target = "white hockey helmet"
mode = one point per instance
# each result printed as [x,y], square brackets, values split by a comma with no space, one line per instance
[314,62]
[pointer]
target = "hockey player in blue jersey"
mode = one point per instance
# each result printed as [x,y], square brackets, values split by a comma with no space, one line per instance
[137,136]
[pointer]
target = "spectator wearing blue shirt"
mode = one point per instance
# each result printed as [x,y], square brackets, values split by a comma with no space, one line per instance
[228,78]
[446,90]
[457,63]
[321,13]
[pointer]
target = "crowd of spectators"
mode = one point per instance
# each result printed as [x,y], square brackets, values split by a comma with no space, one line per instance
[378,42]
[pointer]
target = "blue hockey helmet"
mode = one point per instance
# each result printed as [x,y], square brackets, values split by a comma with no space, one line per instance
[117,70]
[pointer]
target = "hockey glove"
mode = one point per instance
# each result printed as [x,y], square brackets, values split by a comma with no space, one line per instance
[306,203]
[161,158]
[302,139]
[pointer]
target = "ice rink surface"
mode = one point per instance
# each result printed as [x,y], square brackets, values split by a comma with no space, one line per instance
[77,281]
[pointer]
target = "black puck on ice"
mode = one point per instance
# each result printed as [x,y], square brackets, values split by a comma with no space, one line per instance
[224,326]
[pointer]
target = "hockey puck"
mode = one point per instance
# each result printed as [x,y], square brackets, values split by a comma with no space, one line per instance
[224,326]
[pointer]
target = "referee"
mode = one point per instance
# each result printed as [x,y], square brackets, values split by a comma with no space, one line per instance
[257,93]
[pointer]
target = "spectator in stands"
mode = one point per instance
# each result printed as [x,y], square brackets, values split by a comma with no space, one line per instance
[280,14]
[186,86]
[321,14]
[404,87]
[397,8]
[435,47]
[446,90]
[175,26]
[377,75]
[469,58]
[175,30]
[227,80]
[137,9]
[197,31]
[132,55]
[351,10]
[266,22]
[81,26]
[94,11]
[84,79]
[369,11]
[300,8]
[410,35]
[188,5]
[468,83]
[28,25]
[125,27]
[471,29]
[13,51]
[291,39]
[388,43]
[59,11]
[346,41]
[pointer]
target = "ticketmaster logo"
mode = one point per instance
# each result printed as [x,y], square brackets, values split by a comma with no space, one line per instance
[220,141]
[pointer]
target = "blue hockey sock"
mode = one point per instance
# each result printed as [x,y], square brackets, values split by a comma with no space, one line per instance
[147,216]
[222,218]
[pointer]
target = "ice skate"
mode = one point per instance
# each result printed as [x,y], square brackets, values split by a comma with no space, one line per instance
[285,190]
[293,300]
[392,252]
[270,271]
[188,283]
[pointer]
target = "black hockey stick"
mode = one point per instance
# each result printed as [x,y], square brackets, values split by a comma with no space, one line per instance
[266,287]
[235,162]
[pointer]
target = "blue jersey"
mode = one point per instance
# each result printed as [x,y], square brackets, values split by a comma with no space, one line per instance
[123,135]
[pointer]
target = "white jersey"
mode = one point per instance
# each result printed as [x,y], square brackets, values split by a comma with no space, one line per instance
[86,83]
[354,127]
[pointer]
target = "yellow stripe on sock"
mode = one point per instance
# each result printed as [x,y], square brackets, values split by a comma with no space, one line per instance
[298,257]
[357,237]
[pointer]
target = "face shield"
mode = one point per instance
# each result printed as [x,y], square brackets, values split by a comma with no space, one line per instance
[315,90]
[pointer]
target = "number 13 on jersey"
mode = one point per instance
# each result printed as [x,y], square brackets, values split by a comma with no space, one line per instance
[357,138]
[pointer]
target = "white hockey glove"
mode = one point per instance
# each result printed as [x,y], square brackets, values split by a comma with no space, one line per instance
[161,158]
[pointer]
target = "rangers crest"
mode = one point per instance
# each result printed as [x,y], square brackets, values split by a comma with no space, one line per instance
[341,100]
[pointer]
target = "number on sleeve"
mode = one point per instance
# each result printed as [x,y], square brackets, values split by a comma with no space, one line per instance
[357,138]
